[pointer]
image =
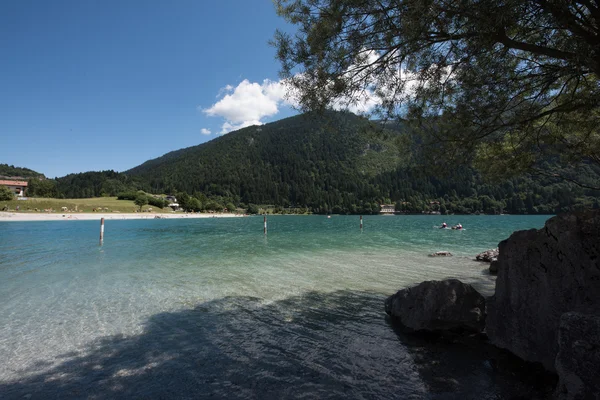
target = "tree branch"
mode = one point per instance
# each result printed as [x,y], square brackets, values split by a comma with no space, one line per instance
[502,38]
[560,176]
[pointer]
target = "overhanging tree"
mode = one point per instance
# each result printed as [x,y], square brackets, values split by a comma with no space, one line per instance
[507,83]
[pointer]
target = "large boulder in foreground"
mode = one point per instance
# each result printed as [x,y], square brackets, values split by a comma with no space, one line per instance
[543,274]
[578,360]
[448,305]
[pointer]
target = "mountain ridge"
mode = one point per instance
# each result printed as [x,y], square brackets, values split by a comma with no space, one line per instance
[332,162]
[288,153]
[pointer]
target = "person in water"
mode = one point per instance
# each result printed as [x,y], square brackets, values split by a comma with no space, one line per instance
[458,226]
[443,225]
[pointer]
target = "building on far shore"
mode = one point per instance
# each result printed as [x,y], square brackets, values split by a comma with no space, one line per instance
[387,209]
[17,187]
[172,202]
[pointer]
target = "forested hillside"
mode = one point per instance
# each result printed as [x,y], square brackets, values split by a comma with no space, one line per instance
[12,171]
[95,184]
[342,163]
[298,161]
[337,162]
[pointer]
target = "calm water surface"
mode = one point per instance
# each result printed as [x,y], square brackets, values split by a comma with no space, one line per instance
[212,308]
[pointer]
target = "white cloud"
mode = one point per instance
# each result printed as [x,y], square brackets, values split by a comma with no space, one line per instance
[391,82]
[205,131]
[223,90]
[363,104]
[248,103]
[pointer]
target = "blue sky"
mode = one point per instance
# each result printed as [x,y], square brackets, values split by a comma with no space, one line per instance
[93,85]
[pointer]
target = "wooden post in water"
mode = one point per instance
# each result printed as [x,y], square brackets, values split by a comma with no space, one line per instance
[101,230]
[265,229]
[361,226]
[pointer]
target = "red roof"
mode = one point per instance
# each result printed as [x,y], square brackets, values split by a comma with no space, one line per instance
[14,183]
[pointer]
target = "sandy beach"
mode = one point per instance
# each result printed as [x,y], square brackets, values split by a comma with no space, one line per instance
[58,216]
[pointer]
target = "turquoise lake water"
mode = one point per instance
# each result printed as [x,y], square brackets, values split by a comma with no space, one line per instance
[212,308]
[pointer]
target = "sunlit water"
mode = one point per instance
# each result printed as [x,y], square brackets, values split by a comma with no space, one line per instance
[213,308]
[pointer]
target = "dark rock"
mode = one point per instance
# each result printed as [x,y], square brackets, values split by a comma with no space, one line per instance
[448,305]
[488,255]
[441,254]
[578,360]
[494,267]
[543,274]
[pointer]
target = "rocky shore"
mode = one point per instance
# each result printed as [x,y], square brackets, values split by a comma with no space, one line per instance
[546,307]
[490,256]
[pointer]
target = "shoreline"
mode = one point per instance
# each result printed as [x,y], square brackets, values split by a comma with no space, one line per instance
[24,217]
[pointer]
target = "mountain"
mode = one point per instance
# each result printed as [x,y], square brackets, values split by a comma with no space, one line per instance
[332,162]
[307,160]
[339,162]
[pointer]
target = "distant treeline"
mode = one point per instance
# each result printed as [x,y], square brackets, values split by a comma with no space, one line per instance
[85,185]
[463,192]
[339,164]
[12,171]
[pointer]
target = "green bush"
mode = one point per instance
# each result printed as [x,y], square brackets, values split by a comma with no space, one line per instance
[157,202]
[127,196]
[6,194]
[194,205]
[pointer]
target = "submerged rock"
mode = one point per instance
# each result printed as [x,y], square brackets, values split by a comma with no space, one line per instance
[488,255]
[543,274]
[448,305]
[441,254]
[578,360]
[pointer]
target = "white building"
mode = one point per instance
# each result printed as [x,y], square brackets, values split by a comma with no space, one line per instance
[387,209]
[17,187]
[172,202]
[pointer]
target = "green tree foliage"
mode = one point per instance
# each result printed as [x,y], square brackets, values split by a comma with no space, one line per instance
[42,188]
[128,195]
[194,205]
[341,163]
[141,200]
[252,209]
[157,201]
[510,82]
[12,171]
[212,205]
[184,200]
[334,162]
[6,193]
[97,184]
[296,162]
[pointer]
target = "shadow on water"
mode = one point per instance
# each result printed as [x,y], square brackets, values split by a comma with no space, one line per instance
[469,367]
[318,345]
